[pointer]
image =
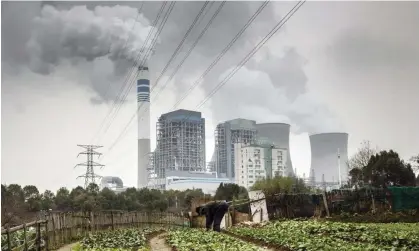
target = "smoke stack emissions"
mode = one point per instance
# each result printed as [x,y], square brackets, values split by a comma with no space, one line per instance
[117,33]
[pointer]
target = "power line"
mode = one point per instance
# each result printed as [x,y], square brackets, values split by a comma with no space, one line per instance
[136,72]
[174,72]
[220,55]
[190,50]
[150,49]
[176,52]
[153,43]
[223,52]
[126,42]
[133,67]
[253,51]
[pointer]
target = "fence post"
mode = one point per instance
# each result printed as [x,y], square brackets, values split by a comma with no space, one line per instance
[113,228]
[373,202]
[54,235]
[325,204]
[233,214]
[25,237]
[38,236]
[47,235]
[9,244]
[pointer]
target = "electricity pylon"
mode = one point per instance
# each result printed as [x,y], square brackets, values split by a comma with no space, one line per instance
[90,176]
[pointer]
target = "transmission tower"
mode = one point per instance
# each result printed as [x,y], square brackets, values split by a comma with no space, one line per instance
[90,176]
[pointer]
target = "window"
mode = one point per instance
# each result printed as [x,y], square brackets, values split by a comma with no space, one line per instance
[250,176]
[250,181]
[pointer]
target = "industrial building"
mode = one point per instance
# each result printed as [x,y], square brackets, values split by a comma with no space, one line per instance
[182,180]
[113,183]
[180,144]
[258,161]
[329,157]
[226,135]
[143,115]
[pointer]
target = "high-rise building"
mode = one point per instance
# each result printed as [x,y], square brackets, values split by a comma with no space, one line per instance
[226,135]
[329,156]
[143,106]
[180,137]
[258,161]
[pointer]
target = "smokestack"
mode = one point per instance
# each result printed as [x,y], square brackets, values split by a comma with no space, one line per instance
[143,103]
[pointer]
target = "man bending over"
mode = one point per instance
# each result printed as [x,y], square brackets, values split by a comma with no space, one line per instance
[214,212]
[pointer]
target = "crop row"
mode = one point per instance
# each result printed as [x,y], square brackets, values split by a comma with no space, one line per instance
[379,234]
[313,235]
[118,240]
[198,239]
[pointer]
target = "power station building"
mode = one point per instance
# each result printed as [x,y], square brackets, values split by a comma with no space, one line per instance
[329,157]
[113,183]
[180,144]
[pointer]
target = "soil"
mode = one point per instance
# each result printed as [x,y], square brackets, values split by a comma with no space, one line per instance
[158,243]
[67,247]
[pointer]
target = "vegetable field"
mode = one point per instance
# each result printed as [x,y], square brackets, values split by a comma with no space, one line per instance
[118,240]
[316,235]
[198,239]
[292,235]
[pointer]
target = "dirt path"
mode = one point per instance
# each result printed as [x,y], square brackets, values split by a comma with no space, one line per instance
[158,243]
[67,247]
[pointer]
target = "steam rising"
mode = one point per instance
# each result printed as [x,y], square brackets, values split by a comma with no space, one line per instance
[81,34]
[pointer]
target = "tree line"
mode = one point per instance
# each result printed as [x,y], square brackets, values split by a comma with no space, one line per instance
[367,167]
[21,204]
[382,169]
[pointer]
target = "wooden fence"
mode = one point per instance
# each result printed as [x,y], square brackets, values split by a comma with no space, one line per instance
[58,229]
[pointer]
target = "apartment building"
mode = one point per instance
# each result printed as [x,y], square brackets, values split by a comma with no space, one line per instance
[258,161]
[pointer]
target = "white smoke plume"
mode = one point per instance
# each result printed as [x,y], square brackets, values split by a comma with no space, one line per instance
[117,33]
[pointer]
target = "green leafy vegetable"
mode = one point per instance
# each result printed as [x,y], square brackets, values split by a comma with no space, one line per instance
[196,239]
[317,235]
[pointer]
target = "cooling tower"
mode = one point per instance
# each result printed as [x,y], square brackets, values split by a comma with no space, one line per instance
[143,104]
[325,151]
[279,134]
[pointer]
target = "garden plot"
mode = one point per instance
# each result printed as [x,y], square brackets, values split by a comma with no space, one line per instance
[316,235]
[118,240]
[198,239]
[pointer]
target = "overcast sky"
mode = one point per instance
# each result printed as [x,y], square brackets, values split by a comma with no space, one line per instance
[335,66]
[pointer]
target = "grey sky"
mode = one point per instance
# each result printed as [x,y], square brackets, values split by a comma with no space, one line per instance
[335,66]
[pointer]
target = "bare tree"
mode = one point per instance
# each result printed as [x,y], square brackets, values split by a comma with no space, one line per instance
[362,156]
[415,162]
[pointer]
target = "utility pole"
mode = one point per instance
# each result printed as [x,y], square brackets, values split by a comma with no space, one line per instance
[90,176]
[340,176]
